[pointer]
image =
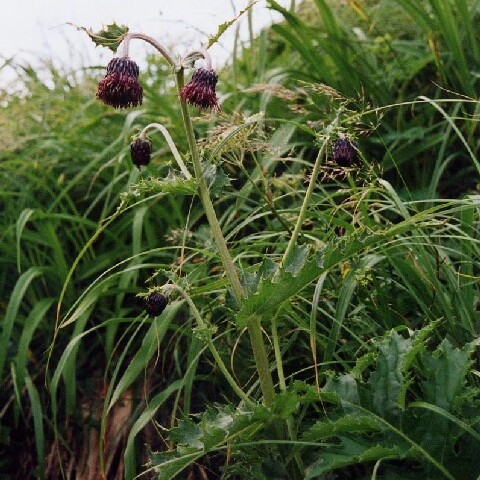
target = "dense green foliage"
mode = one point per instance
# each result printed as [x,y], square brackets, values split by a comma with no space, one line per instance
[371,321]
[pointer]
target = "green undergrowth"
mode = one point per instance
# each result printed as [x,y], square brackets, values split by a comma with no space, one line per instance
[371,323]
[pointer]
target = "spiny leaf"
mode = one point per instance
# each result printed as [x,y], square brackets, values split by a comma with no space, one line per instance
[215,428]
[272,292]
[447,367]
[110,36]
[222,28]
[172,183]
[216,178]
[296,260]
[388,383]
[350,452]
[187,433]
[347,424]
[167,465]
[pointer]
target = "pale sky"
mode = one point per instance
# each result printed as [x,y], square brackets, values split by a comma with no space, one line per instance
[38,28]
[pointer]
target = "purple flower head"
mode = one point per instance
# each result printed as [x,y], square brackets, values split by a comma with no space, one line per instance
[156,303]
[200,90]
[344,152]
[120,87]
[140,151]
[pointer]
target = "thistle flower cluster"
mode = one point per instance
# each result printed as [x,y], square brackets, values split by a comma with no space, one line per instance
[200,90]
[120,88]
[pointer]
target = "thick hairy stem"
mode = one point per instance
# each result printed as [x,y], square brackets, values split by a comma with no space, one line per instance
[254,329]
[206,201]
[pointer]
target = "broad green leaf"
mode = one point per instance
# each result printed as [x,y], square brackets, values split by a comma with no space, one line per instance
[388,383]
[447,369]
[215,177]
[296,260]
[345,387]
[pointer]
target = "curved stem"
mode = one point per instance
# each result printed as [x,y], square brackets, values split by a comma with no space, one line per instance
[171,144]
[196,54]
[216,355]
[141,36]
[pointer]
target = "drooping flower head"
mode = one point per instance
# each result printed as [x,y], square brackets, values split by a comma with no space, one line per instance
[156,303]
[344,152]
[120,87]
[140,151]
[200,90]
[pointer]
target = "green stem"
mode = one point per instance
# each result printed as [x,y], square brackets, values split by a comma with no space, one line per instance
[205,198]
[261,360]
[278,356]
[306,201]
[254,328]
[283,388]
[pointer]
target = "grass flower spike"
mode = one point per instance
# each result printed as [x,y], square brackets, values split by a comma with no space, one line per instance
[200,90]
[120,87]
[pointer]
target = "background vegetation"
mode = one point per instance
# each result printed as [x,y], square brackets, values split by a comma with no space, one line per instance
[373,323]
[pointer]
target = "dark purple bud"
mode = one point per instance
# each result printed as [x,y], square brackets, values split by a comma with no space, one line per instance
[344,152]
[140,151]
[200,90]
[156,303]
[120,87]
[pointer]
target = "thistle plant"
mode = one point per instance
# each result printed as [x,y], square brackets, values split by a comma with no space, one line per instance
[120,89]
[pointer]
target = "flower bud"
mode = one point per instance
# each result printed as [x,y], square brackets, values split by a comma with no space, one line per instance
[200,90]
[344,152]
[155,304]
[140,151]
[120,87]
